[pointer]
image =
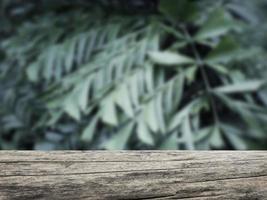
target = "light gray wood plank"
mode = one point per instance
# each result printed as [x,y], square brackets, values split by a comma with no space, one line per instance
[133,175]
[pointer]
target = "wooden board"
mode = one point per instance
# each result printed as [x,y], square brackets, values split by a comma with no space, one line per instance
[133,175]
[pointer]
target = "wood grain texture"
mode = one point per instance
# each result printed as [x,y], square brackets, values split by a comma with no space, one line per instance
[133,175]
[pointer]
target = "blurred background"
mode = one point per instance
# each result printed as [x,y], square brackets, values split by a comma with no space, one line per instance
[134,75]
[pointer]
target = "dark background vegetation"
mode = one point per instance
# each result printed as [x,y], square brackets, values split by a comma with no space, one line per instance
[136,74]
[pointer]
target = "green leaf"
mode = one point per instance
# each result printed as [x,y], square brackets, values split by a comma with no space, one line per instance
[247,111]
[120,139]
[92,43]
[187,134]
[50,60]
[148,76]
[168,58]
[108,112]
[235,137]
[178,90]
[249,86]
[174,32]
[178,118]
[33,72]
[169,98]
[55,116]
[263,96]
[226,51]
[219,22]
[190,73]
[69,59]
[89,131]
[150,116]
[84,94]
[216,139]
[170,143]
[72,108]
[123,99]
[134,90]
[58,71]
[81,48]
[173,95]
[220,69]
[143,133]
[160,113]
[202,134]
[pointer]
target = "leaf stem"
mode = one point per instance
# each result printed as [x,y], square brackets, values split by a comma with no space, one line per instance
[204,75]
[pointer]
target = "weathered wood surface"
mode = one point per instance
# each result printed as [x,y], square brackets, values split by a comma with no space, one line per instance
[133,175]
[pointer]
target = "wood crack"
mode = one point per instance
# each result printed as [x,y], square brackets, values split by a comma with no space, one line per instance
[93,173]
[234,178]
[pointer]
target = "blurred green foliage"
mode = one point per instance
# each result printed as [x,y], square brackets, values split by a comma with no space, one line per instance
[162,74]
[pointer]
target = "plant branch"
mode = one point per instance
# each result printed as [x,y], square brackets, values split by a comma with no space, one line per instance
[204,75]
